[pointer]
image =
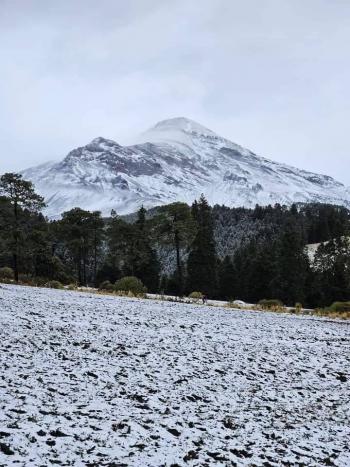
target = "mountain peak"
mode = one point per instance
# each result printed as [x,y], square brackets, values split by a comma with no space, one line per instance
[183,160]
[182,124]
[100,140]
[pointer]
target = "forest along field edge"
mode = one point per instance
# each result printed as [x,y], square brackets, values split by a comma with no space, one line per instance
[251,255]
[98,379]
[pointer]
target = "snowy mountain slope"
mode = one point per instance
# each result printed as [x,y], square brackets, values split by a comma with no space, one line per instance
[176,160]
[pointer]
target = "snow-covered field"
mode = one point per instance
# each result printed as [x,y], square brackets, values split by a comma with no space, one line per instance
[92,380]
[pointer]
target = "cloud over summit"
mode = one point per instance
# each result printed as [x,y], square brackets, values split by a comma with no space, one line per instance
[272,76]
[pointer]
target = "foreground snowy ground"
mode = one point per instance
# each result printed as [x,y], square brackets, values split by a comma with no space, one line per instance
[91,380]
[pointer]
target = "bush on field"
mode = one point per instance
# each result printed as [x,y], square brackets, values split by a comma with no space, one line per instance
[339,310]
[54,285]
[298,307]
[130,284]
[40,281]
[26,279]
[196,296]
[6,274]
[106,285]
[271,304]
[340,307]
[237,304]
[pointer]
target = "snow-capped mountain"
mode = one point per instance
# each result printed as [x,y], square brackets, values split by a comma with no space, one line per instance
[176,160]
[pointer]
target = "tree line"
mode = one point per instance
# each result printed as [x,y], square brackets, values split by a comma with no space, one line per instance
[224,253]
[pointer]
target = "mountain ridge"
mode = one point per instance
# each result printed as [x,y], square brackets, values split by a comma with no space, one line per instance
[175,160]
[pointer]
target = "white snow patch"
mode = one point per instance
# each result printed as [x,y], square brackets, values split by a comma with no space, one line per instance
[100,380]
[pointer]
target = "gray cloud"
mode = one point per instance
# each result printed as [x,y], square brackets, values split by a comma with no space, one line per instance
[271,75]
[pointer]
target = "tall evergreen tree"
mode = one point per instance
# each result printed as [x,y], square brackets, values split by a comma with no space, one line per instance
[96,227]
[202,259]
[291,267]
[174,226]
[332,272]
[131,252]
[119,235]
[21,196]
[227,279]
[143,259]
[82,233]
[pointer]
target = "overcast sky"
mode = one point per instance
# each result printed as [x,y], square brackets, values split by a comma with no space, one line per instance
[271,75]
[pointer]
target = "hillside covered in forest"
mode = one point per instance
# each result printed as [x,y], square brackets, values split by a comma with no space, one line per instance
[227,253]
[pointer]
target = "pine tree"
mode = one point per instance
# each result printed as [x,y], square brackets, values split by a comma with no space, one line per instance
[227,279]
[143,259]
[202,259]
[256,266]
[96,227]
[119,236]
[332,272]
[174,226]
[291,267]
[82,234]
[131,252]
[22,196]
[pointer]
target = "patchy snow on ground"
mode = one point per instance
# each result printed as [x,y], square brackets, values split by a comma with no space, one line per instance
[92,380]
